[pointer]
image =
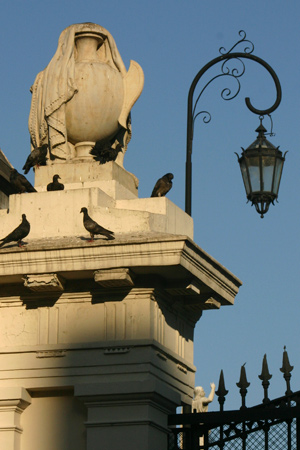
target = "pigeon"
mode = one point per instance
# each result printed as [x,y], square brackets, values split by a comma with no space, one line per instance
[104,152]
[55,185]
[20,183]
[93,227]
[18,233]
[36,158]
[163,185]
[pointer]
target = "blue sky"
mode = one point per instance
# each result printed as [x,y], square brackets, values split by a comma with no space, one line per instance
[172,40]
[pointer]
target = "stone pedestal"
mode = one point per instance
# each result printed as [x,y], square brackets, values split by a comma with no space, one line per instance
[119,420]
[110,194]
[97,338]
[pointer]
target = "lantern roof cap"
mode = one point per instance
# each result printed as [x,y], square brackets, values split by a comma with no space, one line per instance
[261,142]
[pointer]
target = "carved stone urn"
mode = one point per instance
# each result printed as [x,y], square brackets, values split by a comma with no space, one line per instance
[92,114]
[84,95]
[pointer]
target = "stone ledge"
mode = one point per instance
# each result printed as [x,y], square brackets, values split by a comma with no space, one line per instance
[88,173]
[170,256]
[56,214]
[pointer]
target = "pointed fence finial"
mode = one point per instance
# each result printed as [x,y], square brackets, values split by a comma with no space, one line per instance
[221,392]
[286,370]
[265,377]
[243,385]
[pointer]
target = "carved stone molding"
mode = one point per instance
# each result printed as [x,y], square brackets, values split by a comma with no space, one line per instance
[174,258]
[50,282]
[13,401]
[114,278]
[51,354]
[116,350]
[194,295]
[193,288]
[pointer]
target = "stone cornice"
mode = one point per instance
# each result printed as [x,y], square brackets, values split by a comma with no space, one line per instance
[148,253]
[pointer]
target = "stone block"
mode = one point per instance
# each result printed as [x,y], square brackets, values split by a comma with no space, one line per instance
[110,177]
[49,282]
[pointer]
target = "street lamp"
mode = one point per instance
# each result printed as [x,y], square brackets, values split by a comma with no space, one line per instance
[261,163]
[261,166]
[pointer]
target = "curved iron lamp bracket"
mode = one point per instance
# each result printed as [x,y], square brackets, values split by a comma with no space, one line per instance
[226,94]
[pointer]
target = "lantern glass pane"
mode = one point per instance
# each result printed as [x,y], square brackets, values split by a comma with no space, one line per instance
[254,173]
[277,175]
[268,163]
[245,175]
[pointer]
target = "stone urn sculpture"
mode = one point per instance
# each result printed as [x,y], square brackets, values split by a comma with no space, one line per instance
[84,95]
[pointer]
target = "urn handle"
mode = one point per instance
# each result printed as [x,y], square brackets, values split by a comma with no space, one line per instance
[133,86]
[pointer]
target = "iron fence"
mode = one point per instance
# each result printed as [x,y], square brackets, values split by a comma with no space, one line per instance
[271,425]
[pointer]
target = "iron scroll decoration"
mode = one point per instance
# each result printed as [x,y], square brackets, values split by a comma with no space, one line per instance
[226,94]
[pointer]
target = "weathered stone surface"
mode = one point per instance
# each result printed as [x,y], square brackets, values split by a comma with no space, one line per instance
[98,342]
[84,95]
[49,282]
[111,178]
[57,214]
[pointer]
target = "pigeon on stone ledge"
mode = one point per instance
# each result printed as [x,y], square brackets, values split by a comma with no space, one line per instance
[163,185]
[104,152]
[55,185]
[36,158]
[18,233]
[20,183]
[93,227]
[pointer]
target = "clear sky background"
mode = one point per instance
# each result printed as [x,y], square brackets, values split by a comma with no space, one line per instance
[172,40]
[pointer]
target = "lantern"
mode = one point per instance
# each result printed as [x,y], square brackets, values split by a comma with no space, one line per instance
[261,166]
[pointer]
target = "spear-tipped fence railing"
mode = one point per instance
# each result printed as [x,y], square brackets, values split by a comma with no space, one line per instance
[271,425]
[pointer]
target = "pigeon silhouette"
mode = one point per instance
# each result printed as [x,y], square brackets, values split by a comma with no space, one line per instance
[20,183]
[163,185]
[93,227]
[37,157]
[18,233]
[104,152]
[55,185]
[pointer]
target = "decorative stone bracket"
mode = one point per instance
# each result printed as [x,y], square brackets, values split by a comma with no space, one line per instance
[49,282]
[114,278]
[195,294]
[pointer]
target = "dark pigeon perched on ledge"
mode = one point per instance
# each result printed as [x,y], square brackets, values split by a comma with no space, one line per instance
[37,157]
[104,152]
[55,185]
[93,227]
[20,183]
[18,233]
[163,185]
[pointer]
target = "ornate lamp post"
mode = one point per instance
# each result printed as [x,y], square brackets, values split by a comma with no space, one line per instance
[261,163]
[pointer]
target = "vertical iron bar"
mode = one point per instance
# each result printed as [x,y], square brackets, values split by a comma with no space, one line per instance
[206,433]
[221,437]
[188,187]
[266,430]
[244,436]
[289,435]
[286,370]
[188,444]
[194,441]
[189,148]
[221,393]
[297,431]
